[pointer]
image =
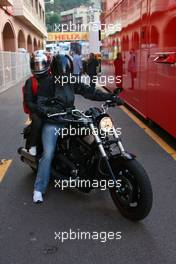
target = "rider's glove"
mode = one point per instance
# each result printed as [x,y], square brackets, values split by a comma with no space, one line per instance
[45,111]
[118,100]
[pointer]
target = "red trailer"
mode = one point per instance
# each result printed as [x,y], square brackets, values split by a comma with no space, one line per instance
[145,35]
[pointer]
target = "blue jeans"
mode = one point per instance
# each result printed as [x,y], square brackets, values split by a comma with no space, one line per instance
[49,139]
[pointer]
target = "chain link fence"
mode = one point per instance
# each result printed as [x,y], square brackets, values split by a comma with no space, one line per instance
[14,67]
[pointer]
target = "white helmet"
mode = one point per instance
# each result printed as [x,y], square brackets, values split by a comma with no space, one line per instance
[39,63]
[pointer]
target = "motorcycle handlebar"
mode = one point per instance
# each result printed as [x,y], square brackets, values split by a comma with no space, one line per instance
[56,114]
[73,112]
[109,103]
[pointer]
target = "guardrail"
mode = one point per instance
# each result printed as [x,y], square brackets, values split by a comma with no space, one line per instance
[14,67]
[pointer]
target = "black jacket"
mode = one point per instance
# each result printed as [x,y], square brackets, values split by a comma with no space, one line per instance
[65,94]
[44,83]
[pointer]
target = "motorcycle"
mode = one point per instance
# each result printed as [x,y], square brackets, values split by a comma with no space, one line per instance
[97,154]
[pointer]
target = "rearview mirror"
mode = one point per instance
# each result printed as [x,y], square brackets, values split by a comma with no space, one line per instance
[165,57]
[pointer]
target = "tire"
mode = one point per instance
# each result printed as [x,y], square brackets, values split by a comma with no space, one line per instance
[135,197]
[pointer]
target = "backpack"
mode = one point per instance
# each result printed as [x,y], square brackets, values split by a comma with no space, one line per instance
[34,91]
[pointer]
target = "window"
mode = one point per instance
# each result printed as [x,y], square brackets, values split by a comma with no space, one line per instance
[36,6]
[43,16]
[40,11]
[92,18]
[169,33]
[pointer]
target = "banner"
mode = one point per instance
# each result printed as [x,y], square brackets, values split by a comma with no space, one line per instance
[67,36]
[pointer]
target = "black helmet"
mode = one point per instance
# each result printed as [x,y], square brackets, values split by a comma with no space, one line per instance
[39,63]
[61,65]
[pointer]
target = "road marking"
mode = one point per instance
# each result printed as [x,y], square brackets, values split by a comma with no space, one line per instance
[4,165]
[152,134]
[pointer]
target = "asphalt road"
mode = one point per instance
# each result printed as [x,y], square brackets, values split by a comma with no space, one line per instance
[27,231]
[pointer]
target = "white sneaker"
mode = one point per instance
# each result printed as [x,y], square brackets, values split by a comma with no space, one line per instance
[37,197]
[33,151]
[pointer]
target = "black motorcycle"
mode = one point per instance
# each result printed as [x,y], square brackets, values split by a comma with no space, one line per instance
[94,154]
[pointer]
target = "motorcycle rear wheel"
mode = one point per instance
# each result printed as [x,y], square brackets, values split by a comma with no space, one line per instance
[135,197]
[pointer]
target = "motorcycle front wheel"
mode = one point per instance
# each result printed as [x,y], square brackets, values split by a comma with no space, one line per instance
[134,197]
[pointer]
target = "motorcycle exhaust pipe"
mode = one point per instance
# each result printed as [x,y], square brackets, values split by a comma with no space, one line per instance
[23,152]
[28,162]
[27,158]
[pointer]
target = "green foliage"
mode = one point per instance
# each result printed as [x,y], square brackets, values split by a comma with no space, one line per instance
[51,19]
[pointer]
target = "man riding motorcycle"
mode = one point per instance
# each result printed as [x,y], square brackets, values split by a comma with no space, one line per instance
[39,65]
[62,69]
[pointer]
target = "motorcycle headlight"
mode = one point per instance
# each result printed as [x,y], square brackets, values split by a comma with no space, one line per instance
[106,124]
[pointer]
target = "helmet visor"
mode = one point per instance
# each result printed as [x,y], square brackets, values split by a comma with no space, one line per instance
[39,64]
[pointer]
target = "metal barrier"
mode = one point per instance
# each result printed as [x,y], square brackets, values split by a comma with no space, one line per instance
[14,67]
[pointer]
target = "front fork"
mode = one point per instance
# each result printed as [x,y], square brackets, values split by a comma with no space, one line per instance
[103,152]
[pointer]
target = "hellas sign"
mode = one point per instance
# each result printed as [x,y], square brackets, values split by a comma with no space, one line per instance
[67,36]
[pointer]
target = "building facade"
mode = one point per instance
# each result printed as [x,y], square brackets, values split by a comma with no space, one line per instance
[22,25]
[80,17]
[22,28]
[76,16]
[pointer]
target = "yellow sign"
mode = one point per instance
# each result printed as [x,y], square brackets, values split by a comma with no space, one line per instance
[67,36]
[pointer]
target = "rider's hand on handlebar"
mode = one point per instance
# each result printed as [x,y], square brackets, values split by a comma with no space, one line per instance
[45,111]
[118,101]
[52,110]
